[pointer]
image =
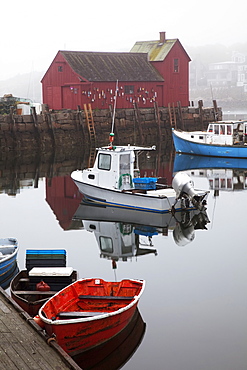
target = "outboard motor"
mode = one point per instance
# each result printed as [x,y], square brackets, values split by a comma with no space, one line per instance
[184,188]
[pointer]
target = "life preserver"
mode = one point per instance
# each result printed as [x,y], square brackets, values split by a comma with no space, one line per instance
[126,176]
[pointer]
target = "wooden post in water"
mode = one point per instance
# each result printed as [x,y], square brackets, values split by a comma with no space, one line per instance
[157,117]
[36,126]
[13,127]
[180,114]
[50,127]
[138,121]
[215,110]
[200,106]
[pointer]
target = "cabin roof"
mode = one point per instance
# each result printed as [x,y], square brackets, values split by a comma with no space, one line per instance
[123,149]
[102,66]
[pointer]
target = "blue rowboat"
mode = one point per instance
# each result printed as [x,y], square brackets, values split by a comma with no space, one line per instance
[222,139]
[8,254]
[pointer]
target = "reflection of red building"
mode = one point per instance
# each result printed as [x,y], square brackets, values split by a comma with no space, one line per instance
[64,198]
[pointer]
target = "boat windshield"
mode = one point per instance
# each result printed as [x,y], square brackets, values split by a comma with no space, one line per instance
[220,129]
[245,128]
[104,161]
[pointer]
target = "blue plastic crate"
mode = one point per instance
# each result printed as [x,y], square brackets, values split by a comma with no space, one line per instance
[45,258]
[45,251]
[144,180]
[145,183]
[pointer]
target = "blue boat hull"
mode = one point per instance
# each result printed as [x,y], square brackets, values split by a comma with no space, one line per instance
[189,147]
[7,265]
[8,276]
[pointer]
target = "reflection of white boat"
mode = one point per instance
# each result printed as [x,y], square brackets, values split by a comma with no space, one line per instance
[114,181]
[162,221]
[222,174]
[122,234]
[120,242]
[222,139]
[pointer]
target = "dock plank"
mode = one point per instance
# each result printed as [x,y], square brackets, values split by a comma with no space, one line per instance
[23,347]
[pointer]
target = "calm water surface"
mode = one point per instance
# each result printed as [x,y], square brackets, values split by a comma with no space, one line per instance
[194,304]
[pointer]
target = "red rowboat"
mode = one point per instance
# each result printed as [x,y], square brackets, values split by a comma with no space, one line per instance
[90,311]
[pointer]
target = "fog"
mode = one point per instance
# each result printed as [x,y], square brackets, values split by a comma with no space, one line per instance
[33,32]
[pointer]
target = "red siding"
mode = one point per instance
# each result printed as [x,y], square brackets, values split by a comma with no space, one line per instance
[62,88]
[176,84]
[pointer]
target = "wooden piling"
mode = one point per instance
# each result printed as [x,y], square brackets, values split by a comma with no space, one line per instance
[138,121]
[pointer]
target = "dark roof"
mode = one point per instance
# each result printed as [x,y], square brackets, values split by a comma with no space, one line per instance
[97,66]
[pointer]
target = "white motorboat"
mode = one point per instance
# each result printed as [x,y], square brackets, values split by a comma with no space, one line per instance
[115,181]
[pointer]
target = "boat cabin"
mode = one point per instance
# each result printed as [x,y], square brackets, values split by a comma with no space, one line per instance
[221,133]
[227,133]
[115,167]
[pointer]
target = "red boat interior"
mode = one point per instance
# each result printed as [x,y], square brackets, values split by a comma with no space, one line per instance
[91,297]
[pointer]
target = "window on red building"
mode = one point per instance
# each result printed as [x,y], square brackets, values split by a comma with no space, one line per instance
[129,89]
[175,66]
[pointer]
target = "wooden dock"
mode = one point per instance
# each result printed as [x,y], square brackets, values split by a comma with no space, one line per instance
[23,343]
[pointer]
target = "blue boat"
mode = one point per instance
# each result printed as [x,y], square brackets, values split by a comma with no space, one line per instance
[222,139]
[8,254]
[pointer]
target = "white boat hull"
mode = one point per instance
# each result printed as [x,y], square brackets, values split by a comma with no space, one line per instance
[161,201]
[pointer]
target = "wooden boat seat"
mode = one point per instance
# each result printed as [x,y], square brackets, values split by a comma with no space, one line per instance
[33,292]
[78,314]
[24,280]
[112,298]
[7,250]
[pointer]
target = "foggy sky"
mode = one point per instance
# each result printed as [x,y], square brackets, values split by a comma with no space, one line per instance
[33,32]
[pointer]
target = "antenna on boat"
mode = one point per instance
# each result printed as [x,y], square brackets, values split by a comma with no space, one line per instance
[111,137]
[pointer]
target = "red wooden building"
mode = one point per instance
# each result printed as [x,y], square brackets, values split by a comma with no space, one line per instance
[151,71]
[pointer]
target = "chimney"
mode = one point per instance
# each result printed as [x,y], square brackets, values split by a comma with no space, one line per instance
[162,37]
